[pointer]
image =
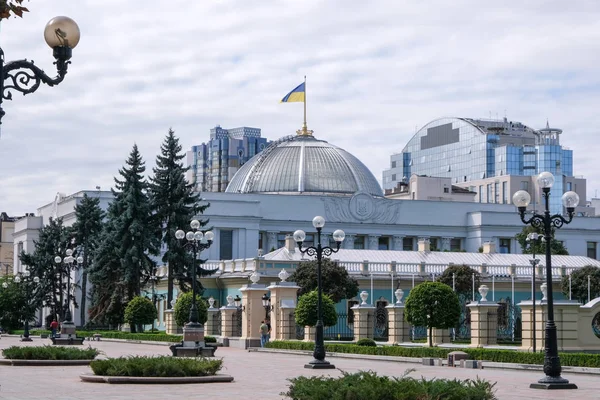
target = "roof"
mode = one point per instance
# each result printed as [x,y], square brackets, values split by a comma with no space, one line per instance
[303,164]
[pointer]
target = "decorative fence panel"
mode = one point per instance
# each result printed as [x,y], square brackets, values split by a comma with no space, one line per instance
[216,324]
[343,330]
[237,323]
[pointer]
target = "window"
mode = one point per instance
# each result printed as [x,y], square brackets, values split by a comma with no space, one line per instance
[489,193]
[504,193]
[407,244]
[591,249]
[393,164]
[505,245]
[446,190]
[480,193]
[393,177]
[226,245]
[433,244]
[496,192]
[569,186]
[455,245]
[525,185]
[384,243]
[359,242]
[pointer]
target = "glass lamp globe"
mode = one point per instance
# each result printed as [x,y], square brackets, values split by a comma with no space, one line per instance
[521,198]
[179,234]
[339,235]
[69,252]
[189,236]
[545,180]
[533,236]
[26,274]
[299,235]
[195,224]
[36,279]
[17,279]
[570,199]
[57,259]
[198,236]
[62,32]
[209,236]
[80,260]
[4,285]
[318,221]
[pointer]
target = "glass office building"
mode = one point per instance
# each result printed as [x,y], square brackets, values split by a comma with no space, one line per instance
[466,150]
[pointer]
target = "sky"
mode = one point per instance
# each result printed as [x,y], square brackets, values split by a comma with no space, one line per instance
[376,71]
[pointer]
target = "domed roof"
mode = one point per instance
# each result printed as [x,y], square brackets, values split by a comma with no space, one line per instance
[303,164]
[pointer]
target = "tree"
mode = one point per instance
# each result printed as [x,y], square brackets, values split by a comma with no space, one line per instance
[86,230]
[140,311]
[15,307]
[11,7]
[461,277]
[184,305]
[306,311]
[174,205]
[434,305]
[539,247]
[579,283]
[336,282]
[53,239]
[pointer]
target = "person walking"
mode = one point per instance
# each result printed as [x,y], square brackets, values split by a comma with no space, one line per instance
[264,334]
[53,327]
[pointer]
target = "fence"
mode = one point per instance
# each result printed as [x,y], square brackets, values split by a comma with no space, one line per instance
[216,326]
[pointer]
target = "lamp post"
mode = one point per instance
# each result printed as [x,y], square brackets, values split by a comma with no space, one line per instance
[319,222]
[533,239]
[266,302]
[195,239]
[62,35]
[71,263]
[154,278]
[547,222]
[29,285]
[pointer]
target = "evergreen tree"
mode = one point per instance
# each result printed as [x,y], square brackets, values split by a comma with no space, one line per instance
[53,240]
[174,204]
[86,231]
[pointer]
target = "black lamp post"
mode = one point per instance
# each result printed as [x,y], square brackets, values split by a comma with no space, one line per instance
[71,263]
[318,250]
[62,35]
[195,241]
[547,222]
[29,286]
[266,302]
[533,239]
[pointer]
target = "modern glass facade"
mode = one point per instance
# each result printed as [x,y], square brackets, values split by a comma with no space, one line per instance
[213,164]
[467,150]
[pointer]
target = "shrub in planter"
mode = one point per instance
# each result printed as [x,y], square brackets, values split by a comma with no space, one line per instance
[163,366]
[368,385]
[183,306]
[49,353]
[140,311]
[306,311]
[366,342]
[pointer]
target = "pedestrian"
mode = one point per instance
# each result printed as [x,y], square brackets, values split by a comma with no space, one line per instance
[53,327]
[264,334]
[268,322]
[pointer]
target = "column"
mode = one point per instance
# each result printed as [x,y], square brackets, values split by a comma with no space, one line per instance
[397,327]
[484,323]
[171,325]
[439,336]
[271,240]
[209,327]
[446,243]
[374,242]
[364,318]
[283,303]
[227,322]
[348,242]
[398,242]
[253,312]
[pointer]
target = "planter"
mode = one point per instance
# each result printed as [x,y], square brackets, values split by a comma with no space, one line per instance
[156,380]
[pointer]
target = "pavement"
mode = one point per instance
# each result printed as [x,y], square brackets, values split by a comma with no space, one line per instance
[258,375]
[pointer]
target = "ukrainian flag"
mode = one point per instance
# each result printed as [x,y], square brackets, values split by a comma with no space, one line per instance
[296,95]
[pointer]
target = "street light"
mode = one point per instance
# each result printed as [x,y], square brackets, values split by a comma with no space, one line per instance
[545,221]
[62,35]
[71,263]
[195,239]
[533,238]
[29,286]
[154,278]
[266,302]
[318,250]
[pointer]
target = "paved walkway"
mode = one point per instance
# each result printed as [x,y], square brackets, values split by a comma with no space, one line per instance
[257,376]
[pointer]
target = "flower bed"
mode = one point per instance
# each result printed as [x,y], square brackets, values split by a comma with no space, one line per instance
[137,366]
[49,353]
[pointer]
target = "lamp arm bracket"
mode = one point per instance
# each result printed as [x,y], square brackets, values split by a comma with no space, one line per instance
[558,220]
[311,251]
[25,77]
[537,220]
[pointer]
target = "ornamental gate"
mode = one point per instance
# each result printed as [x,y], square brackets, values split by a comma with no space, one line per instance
[216,324]
[380,327]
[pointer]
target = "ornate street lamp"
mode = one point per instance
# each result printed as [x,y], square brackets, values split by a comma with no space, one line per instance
[154,279]
[266,302]
[318,250]
[71,263]
[62,35]
[545,221]
[195,239]
[29,284]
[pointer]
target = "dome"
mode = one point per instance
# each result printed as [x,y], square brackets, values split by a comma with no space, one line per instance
[303,164]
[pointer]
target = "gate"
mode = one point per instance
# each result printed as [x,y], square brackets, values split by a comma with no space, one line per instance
[296,329]
[237,323]
[380,326]
[216,324]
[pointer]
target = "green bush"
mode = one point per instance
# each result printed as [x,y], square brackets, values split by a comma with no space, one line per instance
[140,311]
[494,355]
[306,311]
[368,385]
[366,342]
[210,339]
[183,306]
[163,366]
[49,353]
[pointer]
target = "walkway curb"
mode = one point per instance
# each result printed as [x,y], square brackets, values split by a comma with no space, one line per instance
[219,378]
[415,360]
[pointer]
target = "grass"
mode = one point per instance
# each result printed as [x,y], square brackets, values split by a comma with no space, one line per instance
[368,385]
[49,353]
[163,366]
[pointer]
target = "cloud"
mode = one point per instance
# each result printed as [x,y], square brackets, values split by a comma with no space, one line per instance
[376,71]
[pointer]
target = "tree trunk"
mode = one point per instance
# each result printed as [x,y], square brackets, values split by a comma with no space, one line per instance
[83,297]
[170,286]
[430,336]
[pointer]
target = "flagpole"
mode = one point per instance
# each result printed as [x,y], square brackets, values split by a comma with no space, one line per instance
[305,127]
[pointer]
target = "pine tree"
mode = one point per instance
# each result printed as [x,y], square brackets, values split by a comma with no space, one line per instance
[174,204]
[53,240]
[123,259]
[86,231]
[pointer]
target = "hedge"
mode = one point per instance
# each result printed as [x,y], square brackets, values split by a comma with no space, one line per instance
[49,353]
[494,355]
[153,337]
[161,366]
